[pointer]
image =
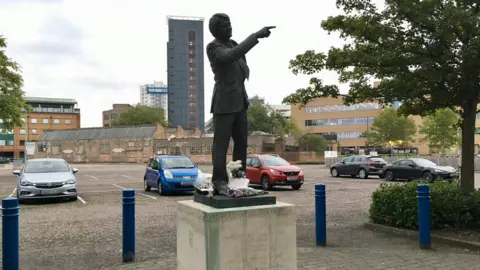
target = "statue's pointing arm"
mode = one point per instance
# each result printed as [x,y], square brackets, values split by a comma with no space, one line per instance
[219,54]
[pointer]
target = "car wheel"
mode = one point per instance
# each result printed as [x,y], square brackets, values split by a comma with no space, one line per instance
[334,172]
[428,176]
[266,182]
[389,176]
[296,186]
[362,174]
[146,186]
[160,188]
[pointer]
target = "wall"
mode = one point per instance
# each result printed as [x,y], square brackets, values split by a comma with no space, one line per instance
[100,151]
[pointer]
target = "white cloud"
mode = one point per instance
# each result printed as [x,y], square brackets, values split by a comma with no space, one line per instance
[99,52]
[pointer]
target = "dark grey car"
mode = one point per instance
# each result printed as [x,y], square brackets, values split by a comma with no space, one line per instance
[361,165]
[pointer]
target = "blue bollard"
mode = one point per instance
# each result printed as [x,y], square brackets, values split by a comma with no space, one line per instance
[320,215]
[423,198]
[128,228]
[10,234]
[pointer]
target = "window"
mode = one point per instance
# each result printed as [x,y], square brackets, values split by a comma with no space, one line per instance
[342,108]
[56,121]
[34,131]
[104,149]
[22,142]
[340,121]
[22,131]
[9,142]
[2,142]
[106,117]
[33,120]
[177,163]
[131,144]
[191,36]
[255,161]
[348,160]
[114,116]
[192,74]
[67,121]
[45,120]
[46,166]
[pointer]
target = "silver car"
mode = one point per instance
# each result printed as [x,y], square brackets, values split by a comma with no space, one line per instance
[46,178]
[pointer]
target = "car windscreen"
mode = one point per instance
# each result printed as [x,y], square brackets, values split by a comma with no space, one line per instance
[274,161]
[47,166]
[377,159]
[177,163]
[424,162]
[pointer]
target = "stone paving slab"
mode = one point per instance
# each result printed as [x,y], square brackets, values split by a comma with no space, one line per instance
[355,259]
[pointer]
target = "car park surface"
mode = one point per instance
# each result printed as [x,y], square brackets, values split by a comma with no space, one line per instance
[86,234]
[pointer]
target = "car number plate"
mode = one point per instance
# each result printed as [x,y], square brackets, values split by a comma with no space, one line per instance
[186,183]
[47,192]
[380,171]
[292,178]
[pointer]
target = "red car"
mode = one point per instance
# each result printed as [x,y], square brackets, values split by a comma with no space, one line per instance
[272,170]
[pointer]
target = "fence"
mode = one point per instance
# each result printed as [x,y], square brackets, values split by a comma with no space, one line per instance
[453,161]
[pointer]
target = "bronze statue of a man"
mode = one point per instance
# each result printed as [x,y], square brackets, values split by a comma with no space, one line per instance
[230,99]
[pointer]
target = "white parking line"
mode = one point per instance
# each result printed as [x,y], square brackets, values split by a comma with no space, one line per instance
[81,199]
[92,176]
[127,176]
[118,186]
[13,192]
[151,197]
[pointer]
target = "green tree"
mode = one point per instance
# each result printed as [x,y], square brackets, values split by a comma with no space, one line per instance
[258,116]
[312,142]
[424,52]
[390,126]
[11,93]
[262,117]
[440,129]
[141,115]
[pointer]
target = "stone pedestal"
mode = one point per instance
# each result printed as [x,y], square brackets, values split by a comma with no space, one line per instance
[241,238]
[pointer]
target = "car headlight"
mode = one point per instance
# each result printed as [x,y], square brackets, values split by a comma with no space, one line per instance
[301,172]
[167,174]
[25,183]
[275,171]
[71,181]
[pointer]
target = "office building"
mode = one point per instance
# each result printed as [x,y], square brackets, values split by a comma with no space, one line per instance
[337,122]
[185,50]
[45,114]
[155,95]
[284,110]
[113,114]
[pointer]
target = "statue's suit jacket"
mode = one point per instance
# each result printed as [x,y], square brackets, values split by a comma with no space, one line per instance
[229,65]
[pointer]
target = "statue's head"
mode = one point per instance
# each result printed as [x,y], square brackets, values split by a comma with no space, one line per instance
[220,26]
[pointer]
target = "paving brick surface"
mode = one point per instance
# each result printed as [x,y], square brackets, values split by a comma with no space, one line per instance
[88,236]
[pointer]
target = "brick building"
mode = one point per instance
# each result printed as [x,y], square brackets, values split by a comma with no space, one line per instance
[45,113]
[108,144]
[109,116]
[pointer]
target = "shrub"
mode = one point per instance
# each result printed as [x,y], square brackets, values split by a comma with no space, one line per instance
[310,162]
[396,205]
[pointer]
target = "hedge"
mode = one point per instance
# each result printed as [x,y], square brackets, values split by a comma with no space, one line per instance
[310,162]
[396,205]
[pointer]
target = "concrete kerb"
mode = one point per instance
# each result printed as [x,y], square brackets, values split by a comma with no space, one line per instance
[414,235]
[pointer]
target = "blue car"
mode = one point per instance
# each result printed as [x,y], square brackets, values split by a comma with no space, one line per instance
[170,173]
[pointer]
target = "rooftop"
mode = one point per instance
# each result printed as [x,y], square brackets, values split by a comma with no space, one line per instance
[50,100]
[184,18]
[99,133]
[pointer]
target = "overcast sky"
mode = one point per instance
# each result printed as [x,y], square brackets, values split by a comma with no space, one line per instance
[99,51]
